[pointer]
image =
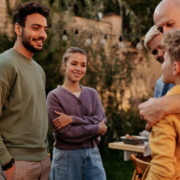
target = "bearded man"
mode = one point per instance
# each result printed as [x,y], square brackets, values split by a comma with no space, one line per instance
[23,112]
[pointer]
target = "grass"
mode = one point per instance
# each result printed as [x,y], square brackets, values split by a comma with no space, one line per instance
[115,166]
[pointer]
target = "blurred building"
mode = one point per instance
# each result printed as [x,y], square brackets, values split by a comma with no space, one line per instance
[5,22]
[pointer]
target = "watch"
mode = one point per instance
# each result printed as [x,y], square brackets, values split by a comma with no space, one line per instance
[8,165]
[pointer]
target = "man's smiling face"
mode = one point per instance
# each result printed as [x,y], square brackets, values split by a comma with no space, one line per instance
[34,32]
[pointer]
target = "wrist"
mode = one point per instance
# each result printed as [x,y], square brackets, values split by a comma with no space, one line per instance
[7,162]
[8,165]
[99,128]
[70,119]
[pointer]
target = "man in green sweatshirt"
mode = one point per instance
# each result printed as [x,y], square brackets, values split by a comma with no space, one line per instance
[23,112]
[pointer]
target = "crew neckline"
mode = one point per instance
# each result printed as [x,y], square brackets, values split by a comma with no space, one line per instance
[29,61]
[72,94]
[77,94]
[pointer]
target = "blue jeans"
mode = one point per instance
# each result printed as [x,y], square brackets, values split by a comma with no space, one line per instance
[79,164]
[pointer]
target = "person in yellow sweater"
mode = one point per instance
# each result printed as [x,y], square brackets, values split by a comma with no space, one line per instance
[165,134]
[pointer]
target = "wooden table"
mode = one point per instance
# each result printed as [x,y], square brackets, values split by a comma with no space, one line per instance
[128,149]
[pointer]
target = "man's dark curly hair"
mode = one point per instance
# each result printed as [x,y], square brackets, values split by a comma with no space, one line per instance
[23,10]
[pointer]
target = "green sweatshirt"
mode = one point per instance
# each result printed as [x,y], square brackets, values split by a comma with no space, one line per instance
[23,111]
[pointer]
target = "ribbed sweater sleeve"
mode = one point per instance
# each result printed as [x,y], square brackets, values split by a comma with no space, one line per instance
[95,119]
[71,133]
[4,154]
[6,81]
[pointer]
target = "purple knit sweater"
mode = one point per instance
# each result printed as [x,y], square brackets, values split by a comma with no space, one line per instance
[86,112]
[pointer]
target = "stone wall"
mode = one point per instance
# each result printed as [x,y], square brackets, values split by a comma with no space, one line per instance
[5,22]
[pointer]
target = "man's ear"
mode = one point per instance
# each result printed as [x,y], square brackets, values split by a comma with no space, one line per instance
[18,29]
[176,68]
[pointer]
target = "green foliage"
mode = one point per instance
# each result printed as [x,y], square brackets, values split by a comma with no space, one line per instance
[138,15]
[9,10]
[84,8]
[5,42]
[115,166]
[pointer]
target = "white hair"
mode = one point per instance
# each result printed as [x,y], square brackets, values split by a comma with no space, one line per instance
[150,35]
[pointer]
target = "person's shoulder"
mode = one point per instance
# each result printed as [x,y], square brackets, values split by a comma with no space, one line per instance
[8,68]
[89,90]
[7,64]
[175,90]
[8,52]
[55,92]
[6,58]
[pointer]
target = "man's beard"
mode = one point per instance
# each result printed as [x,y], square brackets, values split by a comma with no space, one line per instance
[27,44]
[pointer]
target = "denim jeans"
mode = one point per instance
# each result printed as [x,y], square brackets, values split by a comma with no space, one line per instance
[79,164]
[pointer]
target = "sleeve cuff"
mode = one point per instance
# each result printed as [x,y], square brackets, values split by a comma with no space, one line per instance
[75,120]
[97,130]
[5,157]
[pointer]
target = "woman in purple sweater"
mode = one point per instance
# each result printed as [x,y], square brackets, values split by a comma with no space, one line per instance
[78,120]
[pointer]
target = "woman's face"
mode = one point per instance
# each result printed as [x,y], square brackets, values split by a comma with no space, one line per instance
[75,67]
[154,46]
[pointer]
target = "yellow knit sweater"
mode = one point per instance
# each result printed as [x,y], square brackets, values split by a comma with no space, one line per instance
[165,146]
